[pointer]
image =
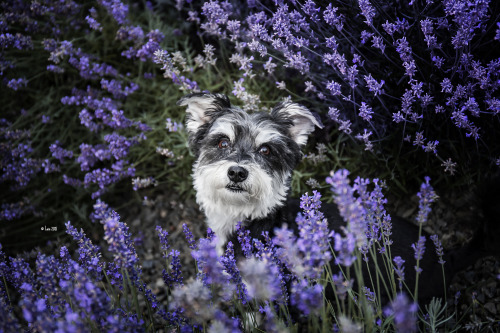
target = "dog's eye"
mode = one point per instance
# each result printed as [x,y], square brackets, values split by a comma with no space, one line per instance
[223,144]
[264,150]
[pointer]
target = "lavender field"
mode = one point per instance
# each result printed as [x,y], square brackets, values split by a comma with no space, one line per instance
[99,231]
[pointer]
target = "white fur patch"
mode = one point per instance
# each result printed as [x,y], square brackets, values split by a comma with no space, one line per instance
[225,208]
[266,135]
[223,127]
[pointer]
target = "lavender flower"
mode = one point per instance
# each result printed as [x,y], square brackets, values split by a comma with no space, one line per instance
[399,270]
[334,88]
[173,127]
[370,295]
[468,16]
[341,285]
[17,41]
[365,36]
[307,298]
[174,276]
[439,248]
[269,66]
[209,267]
[117,9]
[312,246]
[89,255]
[194,299]
[262,283]
[334,113]
[404,49]
[298,62]
[216,15]
[189,236]
[229,263]
[244,240]
[449,166]
[148,50]
[365,111]
[223,323]
[332,18]
[350,209]
[419,249]
[373,85]
[404,313]
[163,57]
[59,153]
[378,43]
[140,183]
[163,236]
[120,244]
[7,317]
[426,197]
[16,84]
[344,249]
[438,61]
[91,20]
[367,11]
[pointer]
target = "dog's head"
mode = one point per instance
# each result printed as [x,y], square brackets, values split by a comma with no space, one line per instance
[244,161]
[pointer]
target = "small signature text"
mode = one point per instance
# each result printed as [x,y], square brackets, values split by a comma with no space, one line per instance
[45,228]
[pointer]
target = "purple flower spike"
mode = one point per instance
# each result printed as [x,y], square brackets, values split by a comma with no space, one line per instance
[367,11]
[189,236]
[210,269]
[399,269]
[117,9]
[174,277]
[89,254]
[439,248]
[419,249]
[404,312]
[163,235]
[229,263]
[59,153]
[350,208]
[309,299]
[426,196]
[244,239]
[194,299]
[312,245]
[121,245]
[344,248]
[262,283]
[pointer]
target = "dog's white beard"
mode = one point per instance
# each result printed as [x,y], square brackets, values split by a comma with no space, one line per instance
[225,208]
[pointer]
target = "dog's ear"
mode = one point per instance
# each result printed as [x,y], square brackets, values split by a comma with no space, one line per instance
[301,120]
[202,108]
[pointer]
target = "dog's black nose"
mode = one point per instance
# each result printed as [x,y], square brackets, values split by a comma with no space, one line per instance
[237,174]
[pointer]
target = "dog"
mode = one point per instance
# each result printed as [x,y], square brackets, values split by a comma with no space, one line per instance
[244,162]
[243,169]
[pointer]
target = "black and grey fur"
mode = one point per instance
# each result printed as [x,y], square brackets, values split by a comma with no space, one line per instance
[243,169]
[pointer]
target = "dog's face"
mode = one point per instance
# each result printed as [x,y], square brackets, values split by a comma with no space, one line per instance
[244,161]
